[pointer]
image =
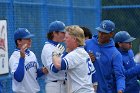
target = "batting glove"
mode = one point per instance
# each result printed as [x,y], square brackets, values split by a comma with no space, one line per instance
[58,50]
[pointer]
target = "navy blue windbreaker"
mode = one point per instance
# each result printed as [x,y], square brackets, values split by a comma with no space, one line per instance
[132,85]
[108,65]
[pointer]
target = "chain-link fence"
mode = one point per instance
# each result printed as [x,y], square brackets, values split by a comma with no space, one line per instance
[125,14]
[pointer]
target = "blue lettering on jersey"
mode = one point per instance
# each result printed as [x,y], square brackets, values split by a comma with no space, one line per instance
[30,65]
[89,66]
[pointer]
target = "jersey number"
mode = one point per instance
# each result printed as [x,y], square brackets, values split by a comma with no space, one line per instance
[89,66]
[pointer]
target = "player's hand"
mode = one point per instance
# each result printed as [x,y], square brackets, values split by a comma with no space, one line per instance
[67,50]
[95,88]
[120,91]
[92,56]
[22,50]
[45,70]
[58,50]
[95,85]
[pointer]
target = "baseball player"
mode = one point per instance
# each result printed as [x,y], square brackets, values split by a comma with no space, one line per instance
[77,62]
[55,83]
[123,42]
[108,62]
[23,64]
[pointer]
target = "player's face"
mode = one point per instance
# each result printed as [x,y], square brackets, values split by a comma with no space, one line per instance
[125,45]
[59,36]
[69,41]
[25,41]
[104,37]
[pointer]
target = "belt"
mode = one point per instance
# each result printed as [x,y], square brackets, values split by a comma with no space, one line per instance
[64,82]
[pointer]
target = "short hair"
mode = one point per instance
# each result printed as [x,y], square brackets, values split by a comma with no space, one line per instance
[50,35]
[87,32]
[16,42]
[77,32]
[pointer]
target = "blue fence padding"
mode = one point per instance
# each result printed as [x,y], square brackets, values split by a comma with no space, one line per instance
[36,15]
[6,84]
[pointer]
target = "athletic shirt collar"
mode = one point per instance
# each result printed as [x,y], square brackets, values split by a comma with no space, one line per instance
[53,42]
[77,48]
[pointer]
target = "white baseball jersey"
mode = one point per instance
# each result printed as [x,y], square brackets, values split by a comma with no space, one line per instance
[79,71]
[46,58]
[29,83]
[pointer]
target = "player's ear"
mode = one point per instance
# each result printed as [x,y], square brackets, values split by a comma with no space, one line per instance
[111,34]
[75,39]
[19,41]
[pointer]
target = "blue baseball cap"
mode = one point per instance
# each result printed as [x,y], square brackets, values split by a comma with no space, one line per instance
[57,26]
[123,36]
[106,26]
[22,33]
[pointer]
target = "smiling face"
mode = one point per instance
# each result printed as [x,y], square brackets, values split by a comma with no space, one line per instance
[125,45]
[74,37]
[59,36]
[70,41]
[104,38]
[22,42]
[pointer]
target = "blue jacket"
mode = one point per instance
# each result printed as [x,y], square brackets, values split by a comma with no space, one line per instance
[132,85]
[0,87]
[108,65]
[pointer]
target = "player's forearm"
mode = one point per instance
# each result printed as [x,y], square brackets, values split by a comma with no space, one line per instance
[120,83]
[19,73]
[134,71]
[57,62]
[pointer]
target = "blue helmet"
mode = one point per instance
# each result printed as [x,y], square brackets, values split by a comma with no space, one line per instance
[57,26]
[123,36]
[106,26]
[22,33]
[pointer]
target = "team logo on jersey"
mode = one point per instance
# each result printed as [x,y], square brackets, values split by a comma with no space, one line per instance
[30,65]
[98,55]
[2,38]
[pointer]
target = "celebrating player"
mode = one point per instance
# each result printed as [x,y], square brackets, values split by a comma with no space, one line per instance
[123,42]
[77,62]
[108,62]
[55,35]
[23,64]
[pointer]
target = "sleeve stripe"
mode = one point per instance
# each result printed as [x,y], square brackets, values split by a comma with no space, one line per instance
[94,71]
[66,62]
[51,66]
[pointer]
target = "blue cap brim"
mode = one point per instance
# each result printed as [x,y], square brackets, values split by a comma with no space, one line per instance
[58,31]
[130,40]
[28,36]
[62,30]
[102,30]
